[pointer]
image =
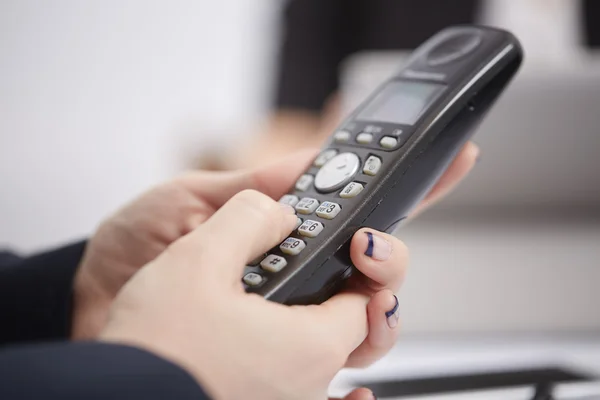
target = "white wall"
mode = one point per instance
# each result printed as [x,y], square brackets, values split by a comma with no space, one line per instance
[95,97]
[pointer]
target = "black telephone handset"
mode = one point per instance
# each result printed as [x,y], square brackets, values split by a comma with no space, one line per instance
[384,158]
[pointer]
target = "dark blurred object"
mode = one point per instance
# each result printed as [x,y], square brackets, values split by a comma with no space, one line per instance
[543,380]
[320,34]
[591,23]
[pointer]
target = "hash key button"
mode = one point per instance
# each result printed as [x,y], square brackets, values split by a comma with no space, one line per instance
[310,228]
[372,165]
[292,246]
[307,205]
[328,210]
[273,263]
[351,190]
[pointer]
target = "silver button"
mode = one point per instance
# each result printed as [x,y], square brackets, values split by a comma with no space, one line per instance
[298,222]
[307,205]
[364,138]
[328,210]
[341,136]
[273,263]
[303,184]
[372,165]
[388,142]
[253,279]
[324,157]
[292,246]
[337,172]
[310,228]
[351,190]
[289,199]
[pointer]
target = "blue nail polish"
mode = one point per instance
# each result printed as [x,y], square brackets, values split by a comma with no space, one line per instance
[369,251]
[393,310]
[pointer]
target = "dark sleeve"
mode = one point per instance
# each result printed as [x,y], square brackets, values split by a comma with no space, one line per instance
[35,294]
[91,371]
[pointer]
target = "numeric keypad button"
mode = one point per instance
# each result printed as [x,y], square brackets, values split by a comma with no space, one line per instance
[310,228]
[372,166]
[325,156]
[304,182]
[289,199]
[351,190]
[273,263]
[307,205]
[328,210]
[292,246]
[298,222]
[364,138]
[252,279]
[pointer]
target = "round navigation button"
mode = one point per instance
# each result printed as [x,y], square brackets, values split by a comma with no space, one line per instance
[453,48]
[337,172]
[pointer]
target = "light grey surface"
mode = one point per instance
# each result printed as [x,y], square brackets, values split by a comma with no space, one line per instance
[515,271]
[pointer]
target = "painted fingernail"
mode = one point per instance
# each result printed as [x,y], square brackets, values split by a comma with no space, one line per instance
[393,315]
[377,247]
[287,209]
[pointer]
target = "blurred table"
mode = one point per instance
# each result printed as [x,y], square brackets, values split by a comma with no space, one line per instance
[436,355]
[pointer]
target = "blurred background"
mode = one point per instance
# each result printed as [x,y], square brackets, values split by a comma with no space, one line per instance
[100,100]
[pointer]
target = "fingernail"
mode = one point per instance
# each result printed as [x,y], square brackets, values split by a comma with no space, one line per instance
[377,247]
[393,315]
[287,209]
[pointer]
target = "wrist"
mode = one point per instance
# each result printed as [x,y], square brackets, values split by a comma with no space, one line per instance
[90,307]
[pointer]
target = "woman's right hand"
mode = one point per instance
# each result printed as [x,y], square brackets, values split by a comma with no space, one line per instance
[188,305]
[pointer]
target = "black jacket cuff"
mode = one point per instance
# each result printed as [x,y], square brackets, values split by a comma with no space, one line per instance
[36,295]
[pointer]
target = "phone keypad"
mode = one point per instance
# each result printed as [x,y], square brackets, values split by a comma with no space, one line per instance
[334,174]
[273,263]
[310,228]
[351,190]
[292,246]
[364,138]
[325,156]
[328,210]
[372,166]
[307,205]
[252,279]
[341,136]
[304,182]
[388,142]
[289,199]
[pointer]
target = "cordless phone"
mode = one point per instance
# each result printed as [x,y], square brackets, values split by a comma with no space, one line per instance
[384,158]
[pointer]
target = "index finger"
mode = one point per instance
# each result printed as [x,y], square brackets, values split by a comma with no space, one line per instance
[274,179]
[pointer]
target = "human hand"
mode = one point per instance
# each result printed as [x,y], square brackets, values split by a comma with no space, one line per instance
[189,306]
[141,231]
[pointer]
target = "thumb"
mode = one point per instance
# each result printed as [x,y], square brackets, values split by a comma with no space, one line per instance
[345,317]
[250,223]
[359,394]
